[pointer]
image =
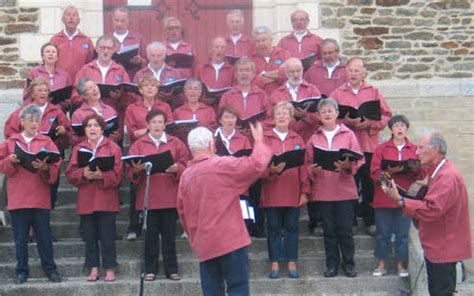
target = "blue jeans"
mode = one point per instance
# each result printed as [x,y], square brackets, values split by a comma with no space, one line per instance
[233,268]
[390,221]
[282,220]
[39,219]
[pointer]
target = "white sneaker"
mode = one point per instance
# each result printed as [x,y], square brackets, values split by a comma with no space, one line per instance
[3,220]
[379,272]
[403,273]
[131,236]
[184,235]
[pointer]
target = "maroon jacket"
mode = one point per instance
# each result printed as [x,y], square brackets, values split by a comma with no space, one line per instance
[97,195]
[308,45]
[167,75]
[318,75]
[204,114]
[207,75]
[187,48]
[256,101]
[57,80]
[244,47]
[277,57]
[27,190]
[131,39]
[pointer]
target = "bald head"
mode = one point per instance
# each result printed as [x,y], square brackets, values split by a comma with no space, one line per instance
[294,71]
[300,20]
[356,72]
[218,50]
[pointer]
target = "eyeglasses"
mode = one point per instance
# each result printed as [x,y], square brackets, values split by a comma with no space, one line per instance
[102,47]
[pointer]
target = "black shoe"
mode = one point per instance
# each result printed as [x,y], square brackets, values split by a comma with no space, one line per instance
[21,278]
[54,277]
[349,271]
[330,272]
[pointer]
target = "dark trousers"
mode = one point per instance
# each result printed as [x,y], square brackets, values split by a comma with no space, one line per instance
[441,278]
[365,186]
[390,221]
[282,233]
[134,224]
[337,227]
[233,268]
[313,214]
[100,226]
[39,219]
[254,198]
[54,187]
[162,223]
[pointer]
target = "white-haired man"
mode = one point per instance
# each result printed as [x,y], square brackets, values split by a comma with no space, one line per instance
[239,44]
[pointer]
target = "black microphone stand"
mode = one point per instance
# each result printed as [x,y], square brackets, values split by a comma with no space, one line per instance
[148,167]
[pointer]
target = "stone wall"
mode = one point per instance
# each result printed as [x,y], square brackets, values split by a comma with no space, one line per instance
[405,39]
[14,21]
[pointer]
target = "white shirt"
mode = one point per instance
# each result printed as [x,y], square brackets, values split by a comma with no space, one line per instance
[72,36]
[103,70]
[157,142]
[293,91]
[120,37]
[280,135]
[399,148]
[217,67]
[355,91]
[267,59]
[98,143]
[225,139]
[27,139]
[300,35]
[157,74]
[97,110]
[235,38]
[174,45]
[330,135]
[42,108]
[331,68]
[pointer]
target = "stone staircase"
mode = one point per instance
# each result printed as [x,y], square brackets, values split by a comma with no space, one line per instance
[69,256]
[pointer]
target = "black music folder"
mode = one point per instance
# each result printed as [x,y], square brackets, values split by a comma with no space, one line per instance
[180,60]
[231,59]
[86,157]
[308,61]
[160,161]
[406,164]
[221,149]
[326,158]
[126,53]
[245,122]
[106,88]
[60,95]
[26,158]
[174,87]
[311,103]
[215,94]
[292,159]
[370,110]
[180,127]
[111,125]
[51,132]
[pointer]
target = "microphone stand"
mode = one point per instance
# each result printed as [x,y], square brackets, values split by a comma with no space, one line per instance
[148,167]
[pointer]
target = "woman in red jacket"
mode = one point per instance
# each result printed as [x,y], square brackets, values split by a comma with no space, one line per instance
[28,193]
[232,139]
[389,218]
[162,213]
[283,193]
[335,190]
[98,197]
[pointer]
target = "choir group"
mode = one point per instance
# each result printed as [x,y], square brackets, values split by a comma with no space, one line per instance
[321,125]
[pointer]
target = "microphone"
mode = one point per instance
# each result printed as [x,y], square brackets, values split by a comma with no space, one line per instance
[148,166]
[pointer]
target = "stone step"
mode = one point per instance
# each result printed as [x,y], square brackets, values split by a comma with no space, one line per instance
[69,195]
[74,248]
[314,265]
[364,285]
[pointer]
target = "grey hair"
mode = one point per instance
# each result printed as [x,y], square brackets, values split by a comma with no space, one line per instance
[262,30]
[244,61]
[121,9]
[70,7]
[284,105]
[328,102]
[328,41]
[81,85]
[192,81]
[236,12]
[31,110]
[199,139]
[437,140]
[104,38]
[171,18]
[156,45]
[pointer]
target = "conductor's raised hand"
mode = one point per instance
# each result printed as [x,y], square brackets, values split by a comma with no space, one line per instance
[257,131]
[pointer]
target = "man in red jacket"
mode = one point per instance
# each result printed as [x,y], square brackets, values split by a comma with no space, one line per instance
[443,215]
[211,215]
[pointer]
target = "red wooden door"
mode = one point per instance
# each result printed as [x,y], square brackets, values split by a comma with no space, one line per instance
[201,19]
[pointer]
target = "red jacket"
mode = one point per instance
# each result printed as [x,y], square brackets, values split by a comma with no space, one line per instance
[13,124]
[81,113]
[368,138]
[244,47]
[163,186]
[328,185]
[444,227]
[306,127]
[317,74]
[256,101]
[204,114]
[166,76]
[187,48]
[284,190]
[388,150]
[26,190]
[98,195]
[131,39]
[277,57]
[211,215]
[308,45]
[57,80]
[207,74]
[73,54]
[135,116]
[238,142]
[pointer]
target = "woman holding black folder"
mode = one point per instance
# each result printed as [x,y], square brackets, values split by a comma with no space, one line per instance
[334,190]
[162,213]
[389,216]
[283,193]
[98,195]
[228,135]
